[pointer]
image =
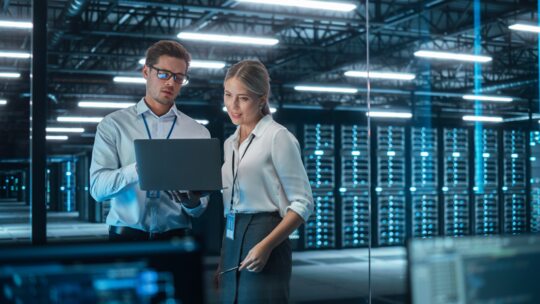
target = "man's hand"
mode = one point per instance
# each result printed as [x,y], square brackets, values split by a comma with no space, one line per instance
[190,199]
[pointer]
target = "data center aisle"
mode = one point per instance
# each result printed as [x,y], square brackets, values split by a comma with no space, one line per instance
[61,226]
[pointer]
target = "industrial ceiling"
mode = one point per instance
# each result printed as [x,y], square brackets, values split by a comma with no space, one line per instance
[92,41]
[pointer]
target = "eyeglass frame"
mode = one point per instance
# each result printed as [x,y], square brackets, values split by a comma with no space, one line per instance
[170,74]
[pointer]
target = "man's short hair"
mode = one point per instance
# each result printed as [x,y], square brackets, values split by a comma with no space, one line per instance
[168,48]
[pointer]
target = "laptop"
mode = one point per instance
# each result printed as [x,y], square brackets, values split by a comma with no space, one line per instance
[179,164]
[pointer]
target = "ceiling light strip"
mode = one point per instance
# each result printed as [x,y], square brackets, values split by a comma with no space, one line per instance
[346,90]
[105,105]
[488,98]
[227,39]
[382,114]
[64,130]
[380,75]
[482,118]
[78,119]
[452,56]
[525,28]
[322,5]
[16,24]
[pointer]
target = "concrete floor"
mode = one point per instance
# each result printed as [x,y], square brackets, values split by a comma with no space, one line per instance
[326,276]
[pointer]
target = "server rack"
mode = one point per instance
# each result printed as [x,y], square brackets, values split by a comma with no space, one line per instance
[390,189]
[486,211]
[514,182]
[456,182]
[424,172]
[534,144]
[320,230]
[11,185]
[354,186]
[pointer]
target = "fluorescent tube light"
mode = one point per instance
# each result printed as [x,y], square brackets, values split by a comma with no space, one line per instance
[488,98]
[202,121]
[56,137]
[15,55]
[452,56]
[525,28]
[105,105]
[323,5]
[482,118]
[3,102]
[380,75]
[203,64]
[64,130]
[326,89]
[389,114]
[227,38]
[78,119]
[272,109]
[207,64]
[10,75]
[16,24]
[123,79]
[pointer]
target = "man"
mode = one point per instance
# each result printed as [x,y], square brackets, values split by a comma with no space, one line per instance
[137,214]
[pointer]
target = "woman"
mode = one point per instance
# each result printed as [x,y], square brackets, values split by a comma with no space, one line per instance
[267,193]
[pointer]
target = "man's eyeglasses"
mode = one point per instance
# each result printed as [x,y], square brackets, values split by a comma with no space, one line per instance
[166,75]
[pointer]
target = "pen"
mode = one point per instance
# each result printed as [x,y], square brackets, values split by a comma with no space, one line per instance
[228,270]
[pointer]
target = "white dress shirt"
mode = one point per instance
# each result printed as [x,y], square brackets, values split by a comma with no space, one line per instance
[270,177]
[113,173]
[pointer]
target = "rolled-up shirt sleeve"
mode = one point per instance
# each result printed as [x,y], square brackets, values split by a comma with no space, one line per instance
[107,178]
[197,211]
[287,161]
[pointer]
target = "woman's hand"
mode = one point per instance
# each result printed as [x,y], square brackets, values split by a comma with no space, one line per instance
[256,258]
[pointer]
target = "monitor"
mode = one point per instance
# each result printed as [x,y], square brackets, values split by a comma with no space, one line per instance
[143,272]
[495,269]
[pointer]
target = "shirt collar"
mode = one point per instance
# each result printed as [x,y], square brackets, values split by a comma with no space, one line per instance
[142,107]
[259,128]
[262,125]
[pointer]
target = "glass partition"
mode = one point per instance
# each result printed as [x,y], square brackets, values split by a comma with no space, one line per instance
[15,65]
[453,103]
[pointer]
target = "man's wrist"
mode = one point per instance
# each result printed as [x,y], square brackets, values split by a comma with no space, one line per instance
[191,203]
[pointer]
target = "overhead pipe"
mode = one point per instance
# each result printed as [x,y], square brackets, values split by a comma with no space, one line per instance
[73,9]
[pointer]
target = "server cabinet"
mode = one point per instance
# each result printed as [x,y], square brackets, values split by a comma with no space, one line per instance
[424,182]
[391,209]
[354,187]
[320,230]
[456,182]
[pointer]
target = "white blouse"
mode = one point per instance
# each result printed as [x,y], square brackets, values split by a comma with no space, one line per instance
[270,176]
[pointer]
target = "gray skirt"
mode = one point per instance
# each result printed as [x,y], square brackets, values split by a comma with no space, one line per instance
[271,285]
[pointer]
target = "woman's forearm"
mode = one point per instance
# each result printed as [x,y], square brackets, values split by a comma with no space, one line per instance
[288,224]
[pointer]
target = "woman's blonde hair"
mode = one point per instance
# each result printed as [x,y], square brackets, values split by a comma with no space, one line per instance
[253,74]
